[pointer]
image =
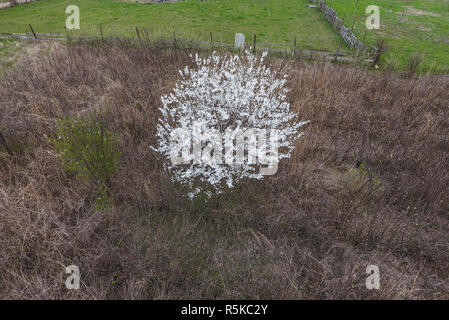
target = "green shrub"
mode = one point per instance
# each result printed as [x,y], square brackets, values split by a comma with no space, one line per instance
[87,149]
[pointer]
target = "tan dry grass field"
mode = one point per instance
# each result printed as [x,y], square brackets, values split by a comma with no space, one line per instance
[367,185]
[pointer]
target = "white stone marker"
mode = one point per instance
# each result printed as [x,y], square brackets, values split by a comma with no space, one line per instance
[239,41]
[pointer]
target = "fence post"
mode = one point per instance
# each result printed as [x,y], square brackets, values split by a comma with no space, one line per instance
[294,48]
[364,35]
[67,35]
[138,34]
[378,53]
[33,32]
[353,24]
[338,51]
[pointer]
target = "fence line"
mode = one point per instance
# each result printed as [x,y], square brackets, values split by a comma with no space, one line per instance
[32,36]
[283,48]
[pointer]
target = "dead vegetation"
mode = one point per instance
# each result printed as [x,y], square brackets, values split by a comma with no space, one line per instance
[368,184]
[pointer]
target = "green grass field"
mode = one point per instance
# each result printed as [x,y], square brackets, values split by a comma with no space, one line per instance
[409,27]
[272,20]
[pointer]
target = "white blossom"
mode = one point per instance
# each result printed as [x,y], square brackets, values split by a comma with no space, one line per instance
[224,94]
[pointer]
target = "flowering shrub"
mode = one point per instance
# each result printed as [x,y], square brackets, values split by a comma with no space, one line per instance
[226,99]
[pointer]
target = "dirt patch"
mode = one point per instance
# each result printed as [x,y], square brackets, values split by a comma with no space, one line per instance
[5,5]
[416,12]
[421,28]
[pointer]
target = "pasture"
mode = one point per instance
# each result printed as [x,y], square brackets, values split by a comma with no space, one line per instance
[410,28]
[278,21]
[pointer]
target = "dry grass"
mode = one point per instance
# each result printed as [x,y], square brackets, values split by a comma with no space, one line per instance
[367,185]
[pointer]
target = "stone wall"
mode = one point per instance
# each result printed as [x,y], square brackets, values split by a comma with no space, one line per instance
[346,33]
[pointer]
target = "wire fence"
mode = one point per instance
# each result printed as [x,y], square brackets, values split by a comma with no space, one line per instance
[142,37]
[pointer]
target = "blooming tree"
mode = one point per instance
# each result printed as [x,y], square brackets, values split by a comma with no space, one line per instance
[226,99]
